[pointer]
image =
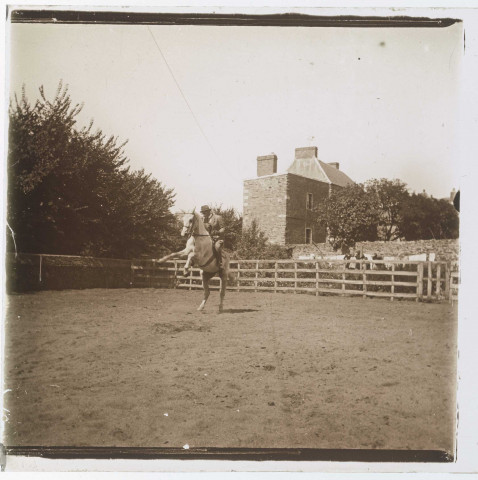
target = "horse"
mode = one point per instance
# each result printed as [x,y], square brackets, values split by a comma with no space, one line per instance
[199,250]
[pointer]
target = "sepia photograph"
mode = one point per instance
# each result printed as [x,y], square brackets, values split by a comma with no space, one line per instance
[232,236]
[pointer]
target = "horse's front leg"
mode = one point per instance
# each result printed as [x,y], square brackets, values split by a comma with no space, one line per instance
[205,285]
[188,264]
[180,254]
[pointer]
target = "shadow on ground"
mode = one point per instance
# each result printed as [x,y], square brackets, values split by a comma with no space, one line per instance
[240,310]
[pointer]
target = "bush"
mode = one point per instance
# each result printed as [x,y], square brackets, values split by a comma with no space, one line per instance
[253,244]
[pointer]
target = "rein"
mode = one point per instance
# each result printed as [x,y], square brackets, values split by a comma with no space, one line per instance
[191,233]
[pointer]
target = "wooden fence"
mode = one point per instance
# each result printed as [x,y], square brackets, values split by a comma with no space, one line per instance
[424,281]
[30,272]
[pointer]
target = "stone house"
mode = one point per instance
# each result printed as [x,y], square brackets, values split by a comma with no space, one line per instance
[282,203]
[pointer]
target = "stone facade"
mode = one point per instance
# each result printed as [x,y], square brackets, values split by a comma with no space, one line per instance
[299,216]
[282,204]
[265,201]
[278,203]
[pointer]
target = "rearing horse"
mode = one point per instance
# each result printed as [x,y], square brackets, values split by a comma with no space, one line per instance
[199,250]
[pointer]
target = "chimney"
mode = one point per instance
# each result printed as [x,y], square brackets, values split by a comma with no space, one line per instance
[266,165]
[305,152]
[334,164]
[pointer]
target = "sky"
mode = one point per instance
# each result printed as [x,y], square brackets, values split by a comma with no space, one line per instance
[198,104]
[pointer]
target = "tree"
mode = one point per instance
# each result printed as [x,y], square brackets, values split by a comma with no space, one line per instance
[350,215]
[424,218]
[390,196]
[384,210]
[137,219]
[232,223]
[253,244]
[70,190]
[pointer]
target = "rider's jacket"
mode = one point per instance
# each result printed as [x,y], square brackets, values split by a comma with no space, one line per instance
[215,225]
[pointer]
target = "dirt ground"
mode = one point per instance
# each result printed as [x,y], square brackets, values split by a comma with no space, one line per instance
[141,367]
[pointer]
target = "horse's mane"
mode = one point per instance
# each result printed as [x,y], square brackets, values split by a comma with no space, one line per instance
[198,217]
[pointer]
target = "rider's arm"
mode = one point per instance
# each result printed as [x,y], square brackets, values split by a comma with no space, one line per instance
[220,226]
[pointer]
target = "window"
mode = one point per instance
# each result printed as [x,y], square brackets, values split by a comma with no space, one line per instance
[310,201]
[308,235]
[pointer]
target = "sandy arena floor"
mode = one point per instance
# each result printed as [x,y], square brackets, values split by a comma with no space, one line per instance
[142,367]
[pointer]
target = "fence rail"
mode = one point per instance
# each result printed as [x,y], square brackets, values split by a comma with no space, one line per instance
[392,279]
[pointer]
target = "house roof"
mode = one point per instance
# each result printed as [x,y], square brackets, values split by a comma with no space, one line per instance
[335,176]
[306,164]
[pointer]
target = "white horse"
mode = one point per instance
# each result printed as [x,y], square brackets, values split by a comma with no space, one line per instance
[199,251]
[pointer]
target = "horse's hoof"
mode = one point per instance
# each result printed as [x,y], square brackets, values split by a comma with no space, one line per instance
[186,273]
[220,310]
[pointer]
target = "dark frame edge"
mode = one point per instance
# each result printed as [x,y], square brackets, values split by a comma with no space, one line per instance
[244,454]
[18,15]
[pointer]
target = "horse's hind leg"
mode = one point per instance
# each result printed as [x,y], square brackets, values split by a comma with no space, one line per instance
[223,290]
[205,285]
[187,266]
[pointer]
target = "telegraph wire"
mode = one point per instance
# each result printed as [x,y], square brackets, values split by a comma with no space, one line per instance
[188,104]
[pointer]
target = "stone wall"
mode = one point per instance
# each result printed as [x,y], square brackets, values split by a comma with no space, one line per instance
[265,201]
[445,250]
[298,216]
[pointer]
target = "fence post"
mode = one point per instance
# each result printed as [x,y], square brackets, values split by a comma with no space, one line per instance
[364,280]
[275,278]
[343,282]
[154,276]
[438,289]
[317,276]
[454,287]
[447,280]
[420,282]
[295,277]
[429,282]
[392,288]
[238,276]
[256,275]
[131,280]
[175,273]
[39,277]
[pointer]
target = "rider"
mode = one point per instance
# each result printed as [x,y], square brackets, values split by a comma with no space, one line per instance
[214,225]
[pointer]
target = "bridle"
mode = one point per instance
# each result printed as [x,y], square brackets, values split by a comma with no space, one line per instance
[190,231]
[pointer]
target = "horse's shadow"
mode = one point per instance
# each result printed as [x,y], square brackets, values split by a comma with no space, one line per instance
[239,310]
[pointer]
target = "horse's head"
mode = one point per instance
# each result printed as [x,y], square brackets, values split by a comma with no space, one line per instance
[193,225]
[189,222]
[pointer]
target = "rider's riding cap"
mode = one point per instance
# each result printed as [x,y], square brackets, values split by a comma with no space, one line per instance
[205,209]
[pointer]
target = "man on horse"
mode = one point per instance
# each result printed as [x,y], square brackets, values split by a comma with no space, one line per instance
[215,226]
